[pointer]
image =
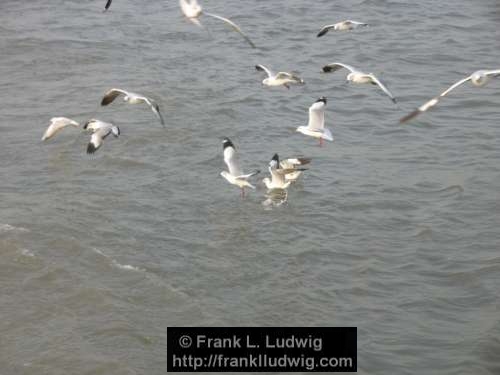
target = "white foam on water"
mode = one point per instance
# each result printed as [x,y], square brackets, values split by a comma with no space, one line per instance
[10,228]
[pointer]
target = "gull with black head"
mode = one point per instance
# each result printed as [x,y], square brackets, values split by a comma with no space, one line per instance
[478,78]
[357,76]
[132,98]
[316,125]
[100,130]
[235,176]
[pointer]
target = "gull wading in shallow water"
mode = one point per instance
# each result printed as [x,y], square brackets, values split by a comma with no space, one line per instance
[278,174]
[478,78]
[235,176]
[316,125]
[341,26]
[57,124]
[357,76]
[280,78]
[132,98]
[193,11]
[100,130]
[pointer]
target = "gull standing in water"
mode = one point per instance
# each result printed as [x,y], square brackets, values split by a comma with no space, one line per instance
[132,98]
[278,174]
[478,78]
[316,125]
[357,76]
[278,79]
[57,124]
[235,176]
[193,11]
[100,130]
[341,26]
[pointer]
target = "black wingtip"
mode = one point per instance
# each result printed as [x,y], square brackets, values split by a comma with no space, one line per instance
[394,100]
[321,33]
[322,99]
[91,149]
[327,69]
[409,116]
[258,67]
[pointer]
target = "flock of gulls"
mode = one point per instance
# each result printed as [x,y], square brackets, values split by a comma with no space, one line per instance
[284,172]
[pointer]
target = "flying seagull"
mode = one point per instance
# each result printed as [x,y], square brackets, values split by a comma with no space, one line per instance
[341,26]
[278,174]
[357,76]
[478,78]
[193,11]
[316,125]
[293,164]
[57,124]
[278,79]
[132,98]
[235,176]
[108,4]
[100,130]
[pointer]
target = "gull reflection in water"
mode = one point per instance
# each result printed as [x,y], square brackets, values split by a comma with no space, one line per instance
[275,198]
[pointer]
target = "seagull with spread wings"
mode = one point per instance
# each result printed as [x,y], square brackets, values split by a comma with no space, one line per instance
[341,26]
[316,125]
[235,176]
[100,130]
[357,76]
[478,78]
[280,78]
[193,11]
[132,98]
[56,125]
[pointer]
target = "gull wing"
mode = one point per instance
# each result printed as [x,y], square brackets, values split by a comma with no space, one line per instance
[356,23]
[111,95]
[233,25]
[431,103]
[493,73]
[294,162]
[316,116]
[247,176]
[156,109]
[333,67]
[262,68]
[284,75]
[325,29]
[57,124]
[108,4]
[382,86]
[232,162]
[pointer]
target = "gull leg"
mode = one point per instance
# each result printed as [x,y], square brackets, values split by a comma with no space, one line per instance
[242,192]
[287,86]
[320,142]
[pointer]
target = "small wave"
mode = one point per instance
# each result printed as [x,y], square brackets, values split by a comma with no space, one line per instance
[127,267]
[27,253]
[10,228]
[114,263]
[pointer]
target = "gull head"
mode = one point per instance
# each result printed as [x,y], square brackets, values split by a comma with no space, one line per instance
[322,99]
[226,142]
[275,162]
[479,78]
